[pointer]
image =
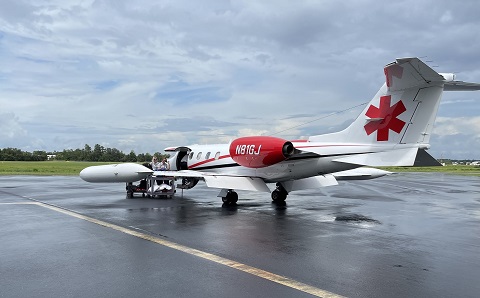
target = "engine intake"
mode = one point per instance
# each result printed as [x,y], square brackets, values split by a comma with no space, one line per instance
[260,151]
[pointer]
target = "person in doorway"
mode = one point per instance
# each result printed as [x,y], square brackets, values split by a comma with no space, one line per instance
[155,164]
[165,165]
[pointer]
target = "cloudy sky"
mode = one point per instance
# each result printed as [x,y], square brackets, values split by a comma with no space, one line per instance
[143,75]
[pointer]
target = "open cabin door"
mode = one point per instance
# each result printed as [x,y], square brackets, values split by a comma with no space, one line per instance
[179,159]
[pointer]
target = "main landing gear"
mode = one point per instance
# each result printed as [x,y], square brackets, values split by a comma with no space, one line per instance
[279,195]
[230,198]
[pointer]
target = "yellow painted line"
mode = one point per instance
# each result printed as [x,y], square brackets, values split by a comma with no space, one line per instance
[291,283]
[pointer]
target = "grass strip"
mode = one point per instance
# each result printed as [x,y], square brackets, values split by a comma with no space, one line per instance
[73,168]
[448,169]
[45,168]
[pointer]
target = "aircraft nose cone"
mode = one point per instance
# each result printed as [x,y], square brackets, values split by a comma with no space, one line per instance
[86,174]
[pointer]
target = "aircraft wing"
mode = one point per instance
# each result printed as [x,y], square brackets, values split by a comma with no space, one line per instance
[360,174]
[333,178]
[234,182]
[219,180]
[222,181]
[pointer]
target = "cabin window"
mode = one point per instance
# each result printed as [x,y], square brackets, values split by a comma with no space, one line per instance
[207,155]
[199,155]
[191,155]
[217,155]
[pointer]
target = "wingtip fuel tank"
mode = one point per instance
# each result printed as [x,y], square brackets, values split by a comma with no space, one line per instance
[123,172]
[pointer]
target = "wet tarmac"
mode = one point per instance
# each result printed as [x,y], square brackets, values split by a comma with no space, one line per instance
[405,235]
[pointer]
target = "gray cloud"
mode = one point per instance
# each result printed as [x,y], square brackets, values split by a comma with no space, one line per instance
[193,125]
[147,74]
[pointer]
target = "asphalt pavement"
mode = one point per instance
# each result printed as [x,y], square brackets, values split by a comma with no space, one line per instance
[405,235]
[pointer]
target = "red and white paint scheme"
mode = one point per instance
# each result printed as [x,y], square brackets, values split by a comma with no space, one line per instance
[390,131]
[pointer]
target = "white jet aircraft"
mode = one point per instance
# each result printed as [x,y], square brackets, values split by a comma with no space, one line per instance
[391,130]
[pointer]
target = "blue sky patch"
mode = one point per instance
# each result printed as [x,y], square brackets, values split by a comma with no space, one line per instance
[184,93]
[106,85]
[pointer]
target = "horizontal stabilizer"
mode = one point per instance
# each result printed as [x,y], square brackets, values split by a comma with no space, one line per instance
[460,86]
[233,182]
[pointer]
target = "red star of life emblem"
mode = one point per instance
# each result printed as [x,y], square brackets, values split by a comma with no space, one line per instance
[384,118]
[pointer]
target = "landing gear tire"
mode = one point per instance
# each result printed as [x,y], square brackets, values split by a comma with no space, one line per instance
[231,198]
[130,188]
[188,183]
[279,195]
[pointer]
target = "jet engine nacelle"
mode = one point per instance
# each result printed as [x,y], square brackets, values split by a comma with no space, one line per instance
[260,151]
[122,172]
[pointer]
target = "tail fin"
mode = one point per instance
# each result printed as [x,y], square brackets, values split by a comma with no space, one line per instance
[403,110]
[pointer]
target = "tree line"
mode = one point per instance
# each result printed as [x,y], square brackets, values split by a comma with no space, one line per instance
[98,153]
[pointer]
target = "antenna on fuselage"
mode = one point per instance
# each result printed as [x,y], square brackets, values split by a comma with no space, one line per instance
[320,118]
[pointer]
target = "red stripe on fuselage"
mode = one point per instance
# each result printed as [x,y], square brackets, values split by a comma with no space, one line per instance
[207,161]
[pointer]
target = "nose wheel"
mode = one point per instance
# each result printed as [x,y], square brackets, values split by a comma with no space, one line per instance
[230,198]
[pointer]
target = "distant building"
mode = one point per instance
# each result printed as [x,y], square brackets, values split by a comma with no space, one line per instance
[51,156]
